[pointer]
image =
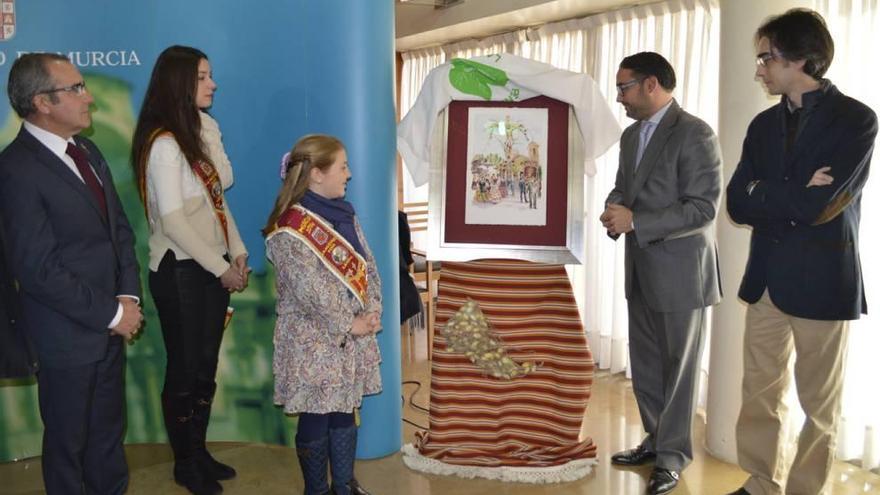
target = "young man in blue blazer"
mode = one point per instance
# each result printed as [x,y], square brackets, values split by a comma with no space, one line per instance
[798,185]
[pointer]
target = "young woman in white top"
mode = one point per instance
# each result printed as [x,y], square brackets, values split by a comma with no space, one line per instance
[196,254]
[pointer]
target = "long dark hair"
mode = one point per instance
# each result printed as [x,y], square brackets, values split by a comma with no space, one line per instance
[170,105]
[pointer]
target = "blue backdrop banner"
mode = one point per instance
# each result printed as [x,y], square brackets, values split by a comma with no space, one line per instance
[284,69]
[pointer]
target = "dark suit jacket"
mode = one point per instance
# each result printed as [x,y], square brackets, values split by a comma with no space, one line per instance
[674,195]
[17,357]
[410,301]
[71,262]
[805,241]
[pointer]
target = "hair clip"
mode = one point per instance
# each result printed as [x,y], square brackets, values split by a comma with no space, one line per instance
[282,171]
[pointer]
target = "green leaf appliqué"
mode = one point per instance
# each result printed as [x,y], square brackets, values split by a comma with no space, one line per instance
[474,78]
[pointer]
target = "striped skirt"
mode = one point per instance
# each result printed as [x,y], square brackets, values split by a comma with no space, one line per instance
[525,429]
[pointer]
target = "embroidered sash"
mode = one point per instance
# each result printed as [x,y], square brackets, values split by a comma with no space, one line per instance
[332,249]
[207,175]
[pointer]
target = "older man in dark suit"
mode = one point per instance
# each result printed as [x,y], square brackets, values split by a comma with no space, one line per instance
[72,250]
[665,200]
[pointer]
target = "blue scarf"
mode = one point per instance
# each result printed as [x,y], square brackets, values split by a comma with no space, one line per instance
[340,214]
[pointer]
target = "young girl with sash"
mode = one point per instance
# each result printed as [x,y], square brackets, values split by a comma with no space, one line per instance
[196,254]
[329,304]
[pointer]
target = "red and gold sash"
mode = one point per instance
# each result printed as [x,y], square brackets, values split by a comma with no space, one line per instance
[332,249]
[207,175]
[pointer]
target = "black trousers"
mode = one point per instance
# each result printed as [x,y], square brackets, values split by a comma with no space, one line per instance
[192,308]
[83,412]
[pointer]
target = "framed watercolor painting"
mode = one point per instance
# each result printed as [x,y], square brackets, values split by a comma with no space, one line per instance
[507,182]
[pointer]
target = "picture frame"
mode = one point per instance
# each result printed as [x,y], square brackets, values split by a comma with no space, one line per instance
[488,182]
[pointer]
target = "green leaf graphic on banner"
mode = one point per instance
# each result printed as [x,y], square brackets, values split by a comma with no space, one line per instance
[474,78]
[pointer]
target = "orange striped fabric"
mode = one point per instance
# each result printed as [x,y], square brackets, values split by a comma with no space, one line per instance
[530,421]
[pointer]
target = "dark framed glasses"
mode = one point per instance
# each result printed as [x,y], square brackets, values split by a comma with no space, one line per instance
[77,89]
[622,87]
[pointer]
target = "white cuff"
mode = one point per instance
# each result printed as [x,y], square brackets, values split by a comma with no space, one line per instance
[117,318]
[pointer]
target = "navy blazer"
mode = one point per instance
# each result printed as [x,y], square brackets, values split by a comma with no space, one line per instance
[70,260]
[805,241]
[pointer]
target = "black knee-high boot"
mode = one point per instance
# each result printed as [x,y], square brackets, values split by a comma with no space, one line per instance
[211,467]
[177,412]
[313,462]
[343,443]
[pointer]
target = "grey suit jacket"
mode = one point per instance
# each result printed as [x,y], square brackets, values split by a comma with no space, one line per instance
[674,198]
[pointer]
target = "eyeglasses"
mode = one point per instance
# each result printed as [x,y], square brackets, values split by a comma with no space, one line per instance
[622,87]
[77,89]
[763,58]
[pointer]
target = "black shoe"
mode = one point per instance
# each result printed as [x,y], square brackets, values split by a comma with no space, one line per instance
[356,488]
[177,413]
[214,468]
[741,491]
[187,475]
[352,487]
[201,414]
[633,457]
[662,481]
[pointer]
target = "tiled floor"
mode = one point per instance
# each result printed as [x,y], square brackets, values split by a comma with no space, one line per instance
[612,420]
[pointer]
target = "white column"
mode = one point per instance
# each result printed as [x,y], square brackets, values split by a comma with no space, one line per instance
[740,99]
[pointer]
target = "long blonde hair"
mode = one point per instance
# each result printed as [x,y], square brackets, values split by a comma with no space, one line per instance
[311,151]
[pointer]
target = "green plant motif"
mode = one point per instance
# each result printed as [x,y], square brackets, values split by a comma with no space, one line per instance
[474,78]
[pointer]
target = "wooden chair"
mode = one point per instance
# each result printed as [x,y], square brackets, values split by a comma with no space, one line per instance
[425,273]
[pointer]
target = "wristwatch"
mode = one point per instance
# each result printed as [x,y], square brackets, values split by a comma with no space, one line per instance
[751,186]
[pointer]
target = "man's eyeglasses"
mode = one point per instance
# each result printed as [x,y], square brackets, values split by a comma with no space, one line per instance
[622,87]
[77,89]
[764,58]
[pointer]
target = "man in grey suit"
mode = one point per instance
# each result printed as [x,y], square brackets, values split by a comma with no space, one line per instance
[665,200]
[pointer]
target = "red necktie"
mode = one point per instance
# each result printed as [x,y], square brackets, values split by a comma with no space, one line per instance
[88,175]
